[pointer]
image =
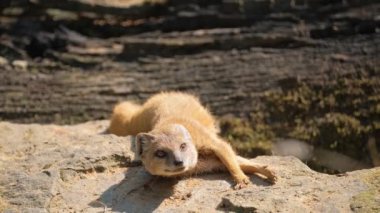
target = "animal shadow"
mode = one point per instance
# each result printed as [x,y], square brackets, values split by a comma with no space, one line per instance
[137,192]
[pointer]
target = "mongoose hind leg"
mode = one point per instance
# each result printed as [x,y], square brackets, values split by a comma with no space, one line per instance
[250,168]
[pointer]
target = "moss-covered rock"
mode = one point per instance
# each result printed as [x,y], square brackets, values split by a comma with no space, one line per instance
[335,131]
[248,141]
[339,115]
[368,200]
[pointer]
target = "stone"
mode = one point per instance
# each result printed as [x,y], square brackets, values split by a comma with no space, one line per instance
[50,168]
[231,6]
[20,64]
[281,5]
[256,7]
[3,61]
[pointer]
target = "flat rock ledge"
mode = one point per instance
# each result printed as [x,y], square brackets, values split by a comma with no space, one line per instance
[49,168]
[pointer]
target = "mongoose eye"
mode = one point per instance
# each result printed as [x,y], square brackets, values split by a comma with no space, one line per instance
[160,154]
[183,146]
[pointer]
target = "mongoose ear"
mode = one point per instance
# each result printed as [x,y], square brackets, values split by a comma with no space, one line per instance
[182,130]
[142,139]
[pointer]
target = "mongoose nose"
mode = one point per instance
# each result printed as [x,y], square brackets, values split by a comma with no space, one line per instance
[178,163]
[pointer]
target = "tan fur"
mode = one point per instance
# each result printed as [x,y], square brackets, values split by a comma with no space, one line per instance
[157,119]
[121,118]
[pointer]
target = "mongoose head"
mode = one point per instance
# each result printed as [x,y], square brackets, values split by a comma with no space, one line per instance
[167,152]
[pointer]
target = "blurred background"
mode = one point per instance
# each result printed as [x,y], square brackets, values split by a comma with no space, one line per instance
[286,77]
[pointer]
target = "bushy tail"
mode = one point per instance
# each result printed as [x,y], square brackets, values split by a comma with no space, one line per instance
[121,118]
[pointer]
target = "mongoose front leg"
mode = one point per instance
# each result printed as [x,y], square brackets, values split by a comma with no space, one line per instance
[228,157]
[248,167]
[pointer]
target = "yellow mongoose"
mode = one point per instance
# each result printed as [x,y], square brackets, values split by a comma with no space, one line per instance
[177,136]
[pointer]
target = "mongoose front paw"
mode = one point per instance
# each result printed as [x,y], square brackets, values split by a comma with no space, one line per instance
[271,177]
[242,183]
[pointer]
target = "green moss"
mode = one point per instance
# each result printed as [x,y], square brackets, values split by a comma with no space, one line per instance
[334,131]
[247,141]
[3,203]
[338,115]
[368,200]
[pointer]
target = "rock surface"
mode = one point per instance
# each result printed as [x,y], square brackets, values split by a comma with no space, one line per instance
[49,168]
